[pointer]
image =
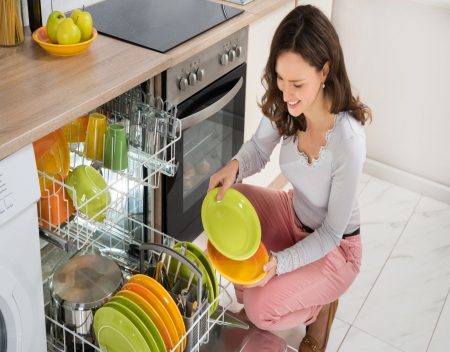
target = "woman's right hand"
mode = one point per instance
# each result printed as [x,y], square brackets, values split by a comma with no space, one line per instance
[225,177]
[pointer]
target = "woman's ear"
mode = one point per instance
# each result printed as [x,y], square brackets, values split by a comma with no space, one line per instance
[325,71]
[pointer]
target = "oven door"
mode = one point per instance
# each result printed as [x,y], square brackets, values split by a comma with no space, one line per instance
[213,132]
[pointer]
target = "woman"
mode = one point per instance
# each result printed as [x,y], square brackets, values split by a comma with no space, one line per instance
[312,232]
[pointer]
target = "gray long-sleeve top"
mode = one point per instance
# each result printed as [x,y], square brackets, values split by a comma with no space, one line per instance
[324,192]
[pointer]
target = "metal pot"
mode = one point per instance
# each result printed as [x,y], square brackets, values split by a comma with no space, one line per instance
[78,288]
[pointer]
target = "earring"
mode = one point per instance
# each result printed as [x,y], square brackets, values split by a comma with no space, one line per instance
[323,85]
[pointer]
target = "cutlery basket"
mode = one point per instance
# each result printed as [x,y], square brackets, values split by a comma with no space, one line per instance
[196,325]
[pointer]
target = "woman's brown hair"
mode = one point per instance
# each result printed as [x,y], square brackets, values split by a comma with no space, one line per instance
[308,32]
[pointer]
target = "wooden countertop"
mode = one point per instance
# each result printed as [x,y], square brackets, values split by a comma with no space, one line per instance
[40,92]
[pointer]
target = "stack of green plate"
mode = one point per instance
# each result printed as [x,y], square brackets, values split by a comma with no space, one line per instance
[121,325]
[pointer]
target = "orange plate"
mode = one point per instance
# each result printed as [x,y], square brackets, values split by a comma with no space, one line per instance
[159,291]
[159,308]
[242,272]
[41,37]
[52,154]
[55,206]
[151,312]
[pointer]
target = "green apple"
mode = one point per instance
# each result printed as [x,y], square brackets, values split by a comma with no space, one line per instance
[53,21]
[75,14]
[83,20]
[67,32]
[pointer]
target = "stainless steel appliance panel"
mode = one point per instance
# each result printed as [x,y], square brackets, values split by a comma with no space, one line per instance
[209,63]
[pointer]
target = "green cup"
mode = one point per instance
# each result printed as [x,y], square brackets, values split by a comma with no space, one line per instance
[89,186]
[116,152]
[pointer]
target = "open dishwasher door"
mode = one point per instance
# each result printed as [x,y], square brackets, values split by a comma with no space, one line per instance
[22,321]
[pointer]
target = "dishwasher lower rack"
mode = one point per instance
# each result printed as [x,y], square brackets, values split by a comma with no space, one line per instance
[115,244]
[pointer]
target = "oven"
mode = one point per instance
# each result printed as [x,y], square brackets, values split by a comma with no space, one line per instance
[212,120]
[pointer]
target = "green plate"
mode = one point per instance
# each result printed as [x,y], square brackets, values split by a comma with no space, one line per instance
[185,273]
[208,266]
[231,224]
[137,323]
[144,318]
[116,333]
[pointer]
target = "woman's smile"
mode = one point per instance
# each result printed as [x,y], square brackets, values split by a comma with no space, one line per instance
[293,104]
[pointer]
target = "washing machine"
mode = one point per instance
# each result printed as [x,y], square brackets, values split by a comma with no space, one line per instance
[22,320]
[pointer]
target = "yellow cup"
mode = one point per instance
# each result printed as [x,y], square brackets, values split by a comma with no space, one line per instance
[95,137]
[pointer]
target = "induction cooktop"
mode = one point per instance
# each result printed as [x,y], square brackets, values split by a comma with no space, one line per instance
[159,25]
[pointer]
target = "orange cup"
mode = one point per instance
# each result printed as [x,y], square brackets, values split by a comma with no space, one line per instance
[75,131]
[55,205]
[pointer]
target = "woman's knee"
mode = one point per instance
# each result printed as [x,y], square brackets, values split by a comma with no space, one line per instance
[258,307]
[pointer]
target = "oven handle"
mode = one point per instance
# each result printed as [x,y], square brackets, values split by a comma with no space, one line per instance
[212,109]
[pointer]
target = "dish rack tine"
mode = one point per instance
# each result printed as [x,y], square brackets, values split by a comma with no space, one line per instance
[174,254]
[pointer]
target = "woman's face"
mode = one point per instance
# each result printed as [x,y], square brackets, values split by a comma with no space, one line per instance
[299,82]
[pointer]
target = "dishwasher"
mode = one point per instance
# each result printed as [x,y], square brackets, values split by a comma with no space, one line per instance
[123,230]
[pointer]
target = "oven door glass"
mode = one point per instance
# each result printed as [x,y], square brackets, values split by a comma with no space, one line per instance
[213,132]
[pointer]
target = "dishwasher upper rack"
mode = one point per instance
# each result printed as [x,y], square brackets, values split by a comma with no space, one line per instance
[132,233]
[128,108]
[151,136]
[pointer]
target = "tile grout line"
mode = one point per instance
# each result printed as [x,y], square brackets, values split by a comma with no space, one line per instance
[387,343]
[437,322]
[401,234]
[349,327]
[362,190]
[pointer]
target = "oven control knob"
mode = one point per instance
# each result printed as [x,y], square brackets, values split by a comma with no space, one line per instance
[238,51]
[192,79]
[231,55]
[224,60]
[200,74]
[183,84]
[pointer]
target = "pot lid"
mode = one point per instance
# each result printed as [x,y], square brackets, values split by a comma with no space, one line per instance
[86,279]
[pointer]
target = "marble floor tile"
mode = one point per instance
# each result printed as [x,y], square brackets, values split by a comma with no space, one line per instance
[359,341]
[441,336]
[338,331]
[363,182]
[224,299]
[404,305]
[201,241]
[385,210]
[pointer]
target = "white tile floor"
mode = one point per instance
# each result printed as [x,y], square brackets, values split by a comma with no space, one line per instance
[400,301]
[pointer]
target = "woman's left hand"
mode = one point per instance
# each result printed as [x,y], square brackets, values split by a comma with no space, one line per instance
[271,268]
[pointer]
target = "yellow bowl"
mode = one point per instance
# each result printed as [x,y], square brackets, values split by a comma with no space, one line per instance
[40,36]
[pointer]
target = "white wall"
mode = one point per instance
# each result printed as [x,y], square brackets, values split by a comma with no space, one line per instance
[397,54]
[324,5]
[58,5]
[259,40]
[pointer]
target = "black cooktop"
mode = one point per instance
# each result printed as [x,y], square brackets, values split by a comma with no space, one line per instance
[159,25]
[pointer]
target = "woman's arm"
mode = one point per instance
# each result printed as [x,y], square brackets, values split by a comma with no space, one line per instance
[255,153]
[346,174]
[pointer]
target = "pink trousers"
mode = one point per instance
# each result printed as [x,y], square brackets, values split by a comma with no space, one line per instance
[296,297]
